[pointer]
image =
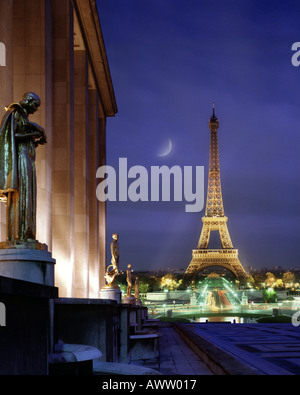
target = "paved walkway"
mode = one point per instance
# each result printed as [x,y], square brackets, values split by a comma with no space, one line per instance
[176,358]
[269,349]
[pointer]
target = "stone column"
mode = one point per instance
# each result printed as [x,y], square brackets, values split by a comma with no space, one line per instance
[93,127]
[102,205]
[32,71]
[63,145]
[81,196]
[6,80]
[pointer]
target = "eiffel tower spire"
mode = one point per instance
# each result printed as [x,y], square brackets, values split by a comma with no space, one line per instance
[214,203]
[213,118]
[214,219]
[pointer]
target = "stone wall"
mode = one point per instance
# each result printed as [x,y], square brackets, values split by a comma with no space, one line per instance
[25,340]
[54,50]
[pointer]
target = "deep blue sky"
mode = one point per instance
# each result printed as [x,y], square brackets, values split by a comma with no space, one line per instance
[169,60]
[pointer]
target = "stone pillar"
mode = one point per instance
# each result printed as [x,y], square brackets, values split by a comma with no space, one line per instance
[124,335]
[6,80]
[81,196]
[32,72]
[102,205]
[29,69]
[93,127]
[63,145]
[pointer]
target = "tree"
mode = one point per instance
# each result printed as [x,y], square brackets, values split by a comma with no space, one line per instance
[288,278]
[143,287]
[270,279]
[269,295]
[258,280]
[169,281]
[250,281]
[278,283]
[121,282]
[153,282]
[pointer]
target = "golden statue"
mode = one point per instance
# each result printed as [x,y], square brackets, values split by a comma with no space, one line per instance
[129,280]
[136,288]
[112,270]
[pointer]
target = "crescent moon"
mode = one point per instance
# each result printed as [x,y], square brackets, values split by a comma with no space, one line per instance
[167,150]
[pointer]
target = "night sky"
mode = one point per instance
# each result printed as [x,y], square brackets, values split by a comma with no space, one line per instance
[169,60]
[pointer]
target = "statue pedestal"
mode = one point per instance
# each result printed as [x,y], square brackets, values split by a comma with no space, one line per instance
[27,260]
[129,300]
[113,293]
[138,303]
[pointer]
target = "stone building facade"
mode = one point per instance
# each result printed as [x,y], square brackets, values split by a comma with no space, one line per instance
[55,48]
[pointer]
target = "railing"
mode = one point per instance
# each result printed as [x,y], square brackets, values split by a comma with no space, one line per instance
[220,251]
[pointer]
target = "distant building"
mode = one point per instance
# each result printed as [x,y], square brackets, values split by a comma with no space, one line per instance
[56,49]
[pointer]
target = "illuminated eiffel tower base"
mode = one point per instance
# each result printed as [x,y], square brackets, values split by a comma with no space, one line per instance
[215,220]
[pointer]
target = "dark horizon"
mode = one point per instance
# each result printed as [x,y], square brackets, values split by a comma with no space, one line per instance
[169,61]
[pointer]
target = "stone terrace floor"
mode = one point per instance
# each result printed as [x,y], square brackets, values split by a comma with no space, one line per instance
[270,349]
[176,358]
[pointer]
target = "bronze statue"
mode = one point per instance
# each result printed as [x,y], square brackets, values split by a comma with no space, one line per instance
[136,288]
[115,255]
[113,270]
[129,280]
[18,140]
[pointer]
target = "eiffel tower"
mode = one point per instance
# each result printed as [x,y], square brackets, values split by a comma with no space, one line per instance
[215,220]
